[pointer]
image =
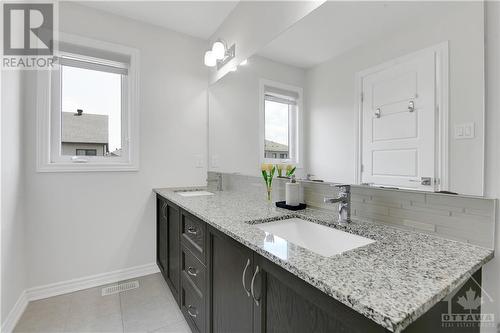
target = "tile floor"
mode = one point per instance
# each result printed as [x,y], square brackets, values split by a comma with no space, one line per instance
[149,308]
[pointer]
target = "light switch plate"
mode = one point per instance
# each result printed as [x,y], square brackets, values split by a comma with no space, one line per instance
[464,131]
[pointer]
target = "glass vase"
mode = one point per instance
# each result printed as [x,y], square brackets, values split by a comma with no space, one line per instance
[269,192]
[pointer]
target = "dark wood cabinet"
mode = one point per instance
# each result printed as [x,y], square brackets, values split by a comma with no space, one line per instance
[193,234]
[194,294]
[193,305]
[168,243]
[222,286]
[288,304]
[161,235]
[231,268]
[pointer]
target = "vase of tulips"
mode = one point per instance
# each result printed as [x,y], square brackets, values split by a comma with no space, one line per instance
[268,171]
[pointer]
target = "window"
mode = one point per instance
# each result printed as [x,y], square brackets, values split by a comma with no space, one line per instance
[91,112]
[280,122]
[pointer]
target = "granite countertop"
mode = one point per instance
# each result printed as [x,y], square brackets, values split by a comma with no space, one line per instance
[392,281]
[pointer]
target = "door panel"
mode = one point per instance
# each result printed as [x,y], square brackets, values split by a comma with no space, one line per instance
[232,307]
[401,163]
[174,248]
[288,304]
[168,243]
[398,123]
[161,236]
[393,87]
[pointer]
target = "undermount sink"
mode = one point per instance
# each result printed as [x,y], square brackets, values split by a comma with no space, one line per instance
[318,238]
[193,193]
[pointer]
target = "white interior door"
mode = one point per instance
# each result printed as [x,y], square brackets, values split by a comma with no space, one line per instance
[399,124]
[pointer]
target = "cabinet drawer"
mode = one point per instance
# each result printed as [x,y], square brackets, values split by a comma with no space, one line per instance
[193,235]
[193,270]
[193,306]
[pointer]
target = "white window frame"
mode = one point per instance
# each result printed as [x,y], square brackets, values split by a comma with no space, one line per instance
[49,115]
[296,138]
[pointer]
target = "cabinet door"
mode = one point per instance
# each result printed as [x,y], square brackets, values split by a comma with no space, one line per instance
[161,235]
[230,267]
[285,303]
[173,249]
[168,243]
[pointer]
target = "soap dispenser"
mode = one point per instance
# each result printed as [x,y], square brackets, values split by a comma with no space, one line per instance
[292,192]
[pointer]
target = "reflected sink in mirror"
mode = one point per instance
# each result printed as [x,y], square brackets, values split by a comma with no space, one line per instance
[315,237]
[193,193]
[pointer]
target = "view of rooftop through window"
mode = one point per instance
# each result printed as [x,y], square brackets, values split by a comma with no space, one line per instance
[276,130]
[91,112]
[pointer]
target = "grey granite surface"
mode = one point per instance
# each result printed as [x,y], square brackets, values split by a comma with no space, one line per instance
[392,281]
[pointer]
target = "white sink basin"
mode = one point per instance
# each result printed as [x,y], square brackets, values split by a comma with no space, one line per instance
[318,238]
[193,193]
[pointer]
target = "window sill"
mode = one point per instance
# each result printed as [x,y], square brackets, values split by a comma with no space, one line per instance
[87,167]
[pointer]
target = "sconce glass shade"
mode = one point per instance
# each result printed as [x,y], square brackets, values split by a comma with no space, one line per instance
[219,50]
[210,60]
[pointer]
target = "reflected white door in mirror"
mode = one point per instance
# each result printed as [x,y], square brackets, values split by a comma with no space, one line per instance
[401,111]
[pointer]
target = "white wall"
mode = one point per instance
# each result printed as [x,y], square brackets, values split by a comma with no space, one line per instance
[12,193]
[234,114]
[330,95]
[491,271]
[253,24]
[80,224]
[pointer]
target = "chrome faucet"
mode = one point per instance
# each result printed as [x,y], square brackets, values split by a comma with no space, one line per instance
[344,201]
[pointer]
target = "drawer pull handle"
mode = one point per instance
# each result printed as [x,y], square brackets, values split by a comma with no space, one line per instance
[192,314]
[192,230]
[256,300]
[243,278]
[192,271]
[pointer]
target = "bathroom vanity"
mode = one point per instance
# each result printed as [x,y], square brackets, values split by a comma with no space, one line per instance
[229,275]
[379,105]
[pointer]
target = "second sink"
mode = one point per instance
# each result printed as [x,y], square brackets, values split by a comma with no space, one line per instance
[318,238]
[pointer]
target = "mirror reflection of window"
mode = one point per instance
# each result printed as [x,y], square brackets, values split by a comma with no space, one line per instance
[280,128]
[276,130]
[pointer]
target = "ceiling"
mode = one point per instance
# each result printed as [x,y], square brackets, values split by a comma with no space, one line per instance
[195,18]
[336,27]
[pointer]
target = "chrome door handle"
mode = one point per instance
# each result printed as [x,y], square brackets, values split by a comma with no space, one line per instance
[192,271]
[189,311]
[163,210]
[255,299]
[191,230]
[243,278]
[377,113]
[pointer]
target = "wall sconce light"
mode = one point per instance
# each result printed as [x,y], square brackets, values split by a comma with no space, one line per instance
[210,59]
[219,50]
[219,54]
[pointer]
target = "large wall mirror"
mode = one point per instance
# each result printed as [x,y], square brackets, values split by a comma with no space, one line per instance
[380,93]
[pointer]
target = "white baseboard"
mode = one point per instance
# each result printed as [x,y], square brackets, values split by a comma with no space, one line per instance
[69,286]
[64,287]
[14,314]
